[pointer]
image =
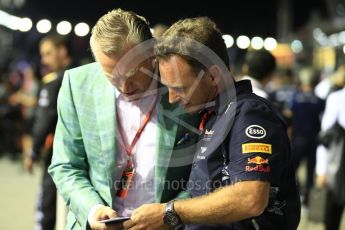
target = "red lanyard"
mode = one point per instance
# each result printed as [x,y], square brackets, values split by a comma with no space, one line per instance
[147,117]
[127,175]
[205,118]
[207,114]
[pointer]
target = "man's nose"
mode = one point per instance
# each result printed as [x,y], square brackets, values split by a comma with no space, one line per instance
[125,85]
[173,97]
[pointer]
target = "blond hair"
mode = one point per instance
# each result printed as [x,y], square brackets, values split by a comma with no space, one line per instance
[116,30]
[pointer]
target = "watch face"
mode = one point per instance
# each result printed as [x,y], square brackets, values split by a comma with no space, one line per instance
[171,219]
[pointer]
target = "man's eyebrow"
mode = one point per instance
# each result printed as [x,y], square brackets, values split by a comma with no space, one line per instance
[171,86]
[176,87]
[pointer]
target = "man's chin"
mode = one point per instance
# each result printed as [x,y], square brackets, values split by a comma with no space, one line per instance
[192,109]
[133,97]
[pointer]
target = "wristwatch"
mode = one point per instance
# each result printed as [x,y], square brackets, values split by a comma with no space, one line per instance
[171,218]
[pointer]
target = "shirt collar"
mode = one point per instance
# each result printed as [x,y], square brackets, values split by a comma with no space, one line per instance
[221,101]
[255,82]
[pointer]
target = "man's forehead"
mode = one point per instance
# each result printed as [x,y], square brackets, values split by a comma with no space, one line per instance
[175,63]
[171,79]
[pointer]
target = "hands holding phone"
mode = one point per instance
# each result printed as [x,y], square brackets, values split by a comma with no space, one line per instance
[105,218]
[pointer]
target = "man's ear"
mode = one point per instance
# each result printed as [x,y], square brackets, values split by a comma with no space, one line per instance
[215,74]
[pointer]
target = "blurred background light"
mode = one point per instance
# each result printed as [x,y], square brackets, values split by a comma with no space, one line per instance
[43,26]
[270,43]
[9,21]
[243,42]
[333,40]
[64,27]
[341,37]
[81,29]
[25,25]
[296,46]
[229,40]
[257,43]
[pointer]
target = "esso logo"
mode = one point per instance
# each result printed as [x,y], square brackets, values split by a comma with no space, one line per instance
[255,131]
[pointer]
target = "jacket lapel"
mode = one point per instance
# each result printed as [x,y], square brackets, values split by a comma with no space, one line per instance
[166,138]
[105,109]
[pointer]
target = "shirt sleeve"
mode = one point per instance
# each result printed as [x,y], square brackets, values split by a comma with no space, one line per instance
[321,160]
[331,112]
[323,88]
[258,146]
[329,118]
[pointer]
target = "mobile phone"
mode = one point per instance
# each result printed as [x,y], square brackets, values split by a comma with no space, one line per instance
[116,220]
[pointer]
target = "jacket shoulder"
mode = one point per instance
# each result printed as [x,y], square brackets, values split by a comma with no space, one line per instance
[86,70]
[84,75]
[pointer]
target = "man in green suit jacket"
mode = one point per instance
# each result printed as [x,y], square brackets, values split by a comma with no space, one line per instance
[86,164]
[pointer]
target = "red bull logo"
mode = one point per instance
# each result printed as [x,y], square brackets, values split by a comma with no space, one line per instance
[258,168]
[257,160]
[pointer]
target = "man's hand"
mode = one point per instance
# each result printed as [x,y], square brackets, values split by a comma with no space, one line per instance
[147,216]
[104,213]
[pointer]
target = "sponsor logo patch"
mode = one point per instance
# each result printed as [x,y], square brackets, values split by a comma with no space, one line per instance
[256,148]
[203,149]
[257,160]
[258,168]
[255,131]
[209,132]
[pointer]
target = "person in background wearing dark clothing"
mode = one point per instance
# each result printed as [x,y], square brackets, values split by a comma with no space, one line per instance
[258,67]
[17,103]
[334,114]
[55,54]
[306,110]
[26,99]
[281,92]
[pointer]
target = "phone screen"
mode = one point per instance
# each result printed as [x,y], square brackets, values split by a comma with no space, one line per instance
[116,220]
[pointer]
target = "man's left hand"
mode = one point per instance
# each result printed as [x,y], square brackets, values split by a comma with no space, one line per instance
[147,216]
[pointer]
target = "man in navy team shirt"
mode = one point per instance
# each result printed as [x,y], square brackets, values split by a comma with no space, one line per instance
[242,176]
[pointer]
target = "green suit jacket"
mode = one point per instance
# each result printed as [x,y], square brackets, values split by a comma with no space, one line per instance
[83,163]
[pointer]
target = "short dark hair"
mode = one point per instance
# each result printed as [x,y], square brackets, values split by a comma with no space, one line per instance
[200,29]
[58,41]
[260,63]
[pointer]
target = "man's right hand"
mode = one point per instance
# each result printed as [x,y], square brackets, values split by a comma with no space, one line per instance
[103,213]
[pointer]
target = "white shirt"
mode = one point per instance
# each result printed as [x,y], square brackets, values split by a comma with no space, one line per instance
[131,114]
[334,111]
[258,88]
[323,88]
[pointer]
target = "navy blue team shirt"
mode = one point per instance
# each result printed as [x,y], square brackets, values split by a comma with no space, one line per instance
[250,143]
